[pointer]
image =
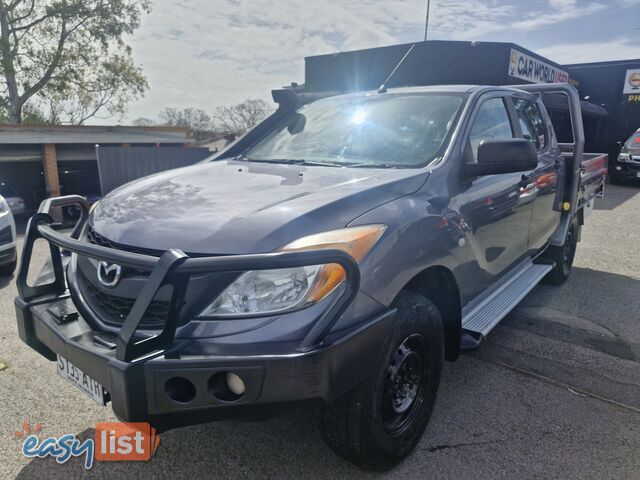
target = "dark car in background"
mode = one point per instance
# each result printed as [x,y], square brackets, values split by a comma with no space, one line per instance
[75,181]
[627,165]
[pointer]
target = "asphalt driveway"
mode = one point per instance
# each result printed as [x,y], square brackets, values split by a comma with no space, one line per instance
[554,392]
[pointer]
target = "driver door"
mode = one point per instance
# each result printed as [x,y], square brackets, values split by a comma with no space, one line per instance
[498,207]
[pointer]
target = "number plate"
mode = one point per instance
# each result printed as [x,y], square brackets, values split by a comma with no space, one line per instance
[81,380]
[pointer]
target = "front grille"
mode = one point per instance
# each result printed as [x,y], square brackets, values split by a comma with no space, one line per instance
[97,239]
[114,310]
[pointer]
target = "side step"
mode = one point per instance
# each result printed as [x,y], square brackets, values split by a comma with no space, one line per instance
[496,306]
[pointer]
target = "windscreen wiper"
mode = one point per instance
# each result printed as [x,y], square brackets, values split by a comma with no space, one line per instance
[292,161]
[373,165]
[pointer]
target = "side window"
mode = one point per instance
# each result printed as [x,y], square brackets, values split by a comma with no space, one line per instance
[491,122]
[531,122]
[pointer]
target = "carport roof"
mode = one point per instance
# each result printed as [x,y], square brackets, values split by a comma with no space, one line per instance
[29,134]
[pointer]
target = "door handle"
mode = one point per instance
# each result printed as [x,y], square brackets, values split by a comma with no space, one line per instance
[526,182]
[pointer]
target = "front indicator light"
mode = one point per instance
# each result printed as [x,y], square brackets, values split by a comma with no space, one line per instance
[356,241]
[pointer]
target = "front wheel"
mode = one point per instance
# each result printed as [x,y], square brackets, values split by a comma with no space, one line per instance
[379,423]
[563,256]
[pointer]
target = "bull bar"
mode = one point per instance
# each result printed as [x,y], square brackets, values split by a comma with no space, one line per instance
[173,268]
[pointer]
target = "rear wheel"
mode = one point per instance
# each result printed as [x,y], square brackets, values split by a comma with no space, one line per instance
[379,423]
[563,256]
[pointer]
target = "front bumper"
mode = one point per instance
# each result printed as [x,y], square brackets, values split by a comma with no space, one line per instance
[8,256]
[627,169]
[138,390]
[139,371]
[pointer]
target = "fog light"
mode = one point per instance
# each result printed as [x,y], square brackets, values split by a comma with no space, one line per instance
[180,390]
[226,386]
[235,384]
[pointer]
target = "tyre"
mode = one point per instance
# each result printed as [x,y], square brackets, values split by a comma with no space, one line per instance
[563,256]
[379,423]
[615,178]
[9,268]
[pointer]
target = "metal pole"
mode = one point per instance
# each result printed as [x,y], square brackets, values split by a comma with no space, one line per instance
[426,23]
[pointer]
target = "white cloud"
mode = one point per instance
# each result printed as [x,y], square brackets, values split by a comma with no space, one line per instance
[207,53]
[616,49]
[559,11]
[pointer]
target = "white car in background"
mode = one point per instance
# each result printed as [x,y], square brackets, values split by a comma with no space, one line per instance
[8,256]
[15,201]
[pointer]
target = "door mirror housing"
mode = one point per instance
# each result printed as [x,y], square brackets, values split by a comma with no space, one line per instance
[504,156]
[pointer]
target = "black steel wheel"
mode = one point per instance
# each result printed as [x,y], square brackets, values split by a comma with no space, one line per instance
[404,386]
[379,423]
[563,256]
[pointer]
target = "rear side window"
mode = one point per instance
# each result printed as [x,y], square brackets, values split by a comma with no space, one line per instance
[531,122]
[491,123]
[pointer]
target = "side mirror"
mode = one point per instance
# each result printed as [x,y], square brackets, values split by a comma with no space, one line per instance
[504,156]
[297,123]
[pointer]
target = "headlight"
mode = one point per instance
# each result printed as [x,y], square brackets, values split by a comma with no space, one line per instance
[260,292]
[624,157]
[4,208]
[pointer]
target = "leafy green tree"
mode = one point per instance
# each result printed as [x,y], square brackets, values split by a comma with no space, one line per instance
[30,115]
[69,56]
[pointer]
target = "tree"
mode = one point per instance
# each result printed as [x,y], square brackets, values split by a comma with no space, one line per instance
[144,122]
[239,118]
[194,118]
[70,56]
[30,115]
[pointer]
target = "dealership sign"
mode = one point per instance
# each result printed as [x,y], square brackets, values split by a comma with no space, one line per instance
[631,89]
[531,69]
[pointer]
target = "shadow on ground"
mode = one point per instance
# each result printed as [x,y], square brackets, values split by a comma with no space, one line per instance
[288,446]
[616,195]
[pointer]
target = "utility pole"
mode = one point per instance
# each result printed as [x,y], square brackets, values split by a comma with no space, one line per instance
[426,23]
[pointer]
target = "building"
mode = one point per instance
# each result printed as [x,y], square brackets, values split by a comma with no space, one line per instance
[217,141]
[611,106]
[615,86]
[41,161]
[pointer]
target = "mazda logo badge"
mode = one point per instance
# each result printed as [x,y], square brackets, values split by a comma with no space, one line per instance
[109,274]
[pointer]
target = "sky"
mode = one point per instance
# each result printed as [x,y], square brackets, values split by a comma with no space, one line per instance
[208,53]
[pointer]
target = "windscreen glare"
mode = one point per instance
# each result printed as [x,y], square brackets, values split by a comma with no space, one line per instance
[378,130]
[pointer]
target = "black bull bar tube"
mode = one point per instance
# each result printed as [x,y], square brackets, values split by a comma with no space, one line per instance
[173,268]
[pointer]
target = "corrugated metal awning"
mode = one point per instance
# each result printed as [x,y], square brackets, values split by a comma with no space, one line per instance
[27,134]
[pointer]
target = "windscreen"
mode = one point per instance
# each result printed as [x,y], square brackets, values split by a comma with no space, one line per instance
[377,130]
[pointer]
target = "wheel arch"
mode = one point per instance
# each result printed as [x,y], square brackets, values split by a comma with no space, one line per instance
[438,284]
